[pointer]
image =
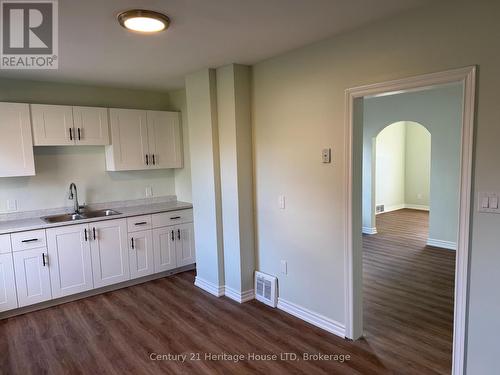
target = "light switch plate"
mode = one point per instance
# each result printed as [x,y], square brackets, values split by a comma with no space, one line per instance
[284,267]
[488,202]
[281,202]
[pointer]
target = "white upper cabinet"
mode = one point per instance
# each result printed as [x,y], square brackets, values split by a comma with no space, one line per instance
[91,126]
[52,125]
[144,140]
[16,143]
[129,140]
[61,125]
[164,139]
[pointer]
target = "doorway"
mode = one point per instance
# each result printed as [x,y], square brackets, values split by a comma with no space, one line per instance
[354,176]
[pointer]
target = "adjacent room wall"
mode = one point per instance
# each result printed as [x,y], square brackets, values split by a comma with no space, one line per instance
[56,167]
[440,111]
[403,165]
[390,151]
[417,166]
[299,108]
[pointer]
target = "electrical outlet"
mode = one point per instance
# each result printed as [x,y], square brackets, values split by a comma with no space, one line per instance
[284,267]
[149,192]
[326,155]
[419,196]
[11,205]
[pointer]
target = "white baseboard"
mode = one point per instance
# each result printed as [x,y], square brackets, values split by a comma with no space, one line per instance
[368,230]
[391,208]
[403,205]
[417,207]
[440,243]
[311,317]
[240,297]
[209,287]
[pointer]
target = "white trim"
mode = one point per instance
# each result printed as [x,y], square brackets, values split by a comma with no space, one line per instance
[312,317]
[391,208]
[240,297]
[353,295]
[443,244]
[402,206]
[368,230]
[417,207]
[209,287]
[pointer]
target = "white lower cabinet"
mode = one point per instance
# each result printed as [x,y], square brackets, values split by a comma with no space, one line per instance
[62,261]
[32,276]
[184,245]
[109,249]
[164,249]
[8,295]
[70,262]
[141,254]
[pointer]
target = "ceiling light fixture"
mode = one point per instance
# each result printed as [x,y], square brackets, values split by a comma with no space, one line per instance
[144,21]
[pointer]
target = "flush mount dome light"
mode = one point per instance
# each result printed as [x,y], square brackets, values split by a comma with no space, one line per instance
[145,21]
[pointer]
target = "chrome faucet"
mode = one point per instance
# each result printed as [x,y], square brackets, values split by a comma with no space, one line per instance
[73,195]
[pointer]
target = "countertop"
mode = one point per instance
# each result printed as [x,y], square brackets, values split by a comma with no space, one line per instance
[13,226]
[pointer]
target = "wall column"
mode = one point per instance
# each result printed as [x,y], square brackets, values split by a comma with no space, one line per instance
[236,165]
[205,175]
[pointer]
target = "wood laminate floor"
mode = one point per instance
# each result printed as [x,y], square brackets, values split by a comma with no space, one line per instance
[408,319]
[408,295]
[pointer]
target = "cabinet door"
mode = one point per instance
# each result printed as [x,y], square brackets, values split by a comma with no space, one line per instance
[32,276]
[8,296]
[164,248]
[164,135]
[91,126]
[69,257]
[110,264]
[16,143]
[184,244]
[52,125]
[129,140]
[141,254]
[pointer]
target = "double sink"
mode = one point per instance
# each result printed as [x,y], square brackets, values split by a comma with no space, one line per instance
[79,216]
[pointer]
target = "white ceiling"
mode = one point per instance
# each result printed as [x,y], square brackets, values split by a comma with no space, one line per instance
[95,49]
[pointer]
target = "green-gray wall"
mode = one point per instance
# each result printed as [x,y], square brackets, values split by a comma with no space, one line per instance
[299,108]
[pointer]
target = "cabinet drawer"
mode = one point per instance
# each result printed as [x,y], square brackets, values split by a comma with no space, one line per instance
[5,244]
[138,223]
[172,218]
[28,240]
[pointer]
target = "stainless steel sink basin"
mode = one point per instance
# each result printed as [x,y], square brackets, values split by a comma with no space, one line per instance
[74,217]
[101,213]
